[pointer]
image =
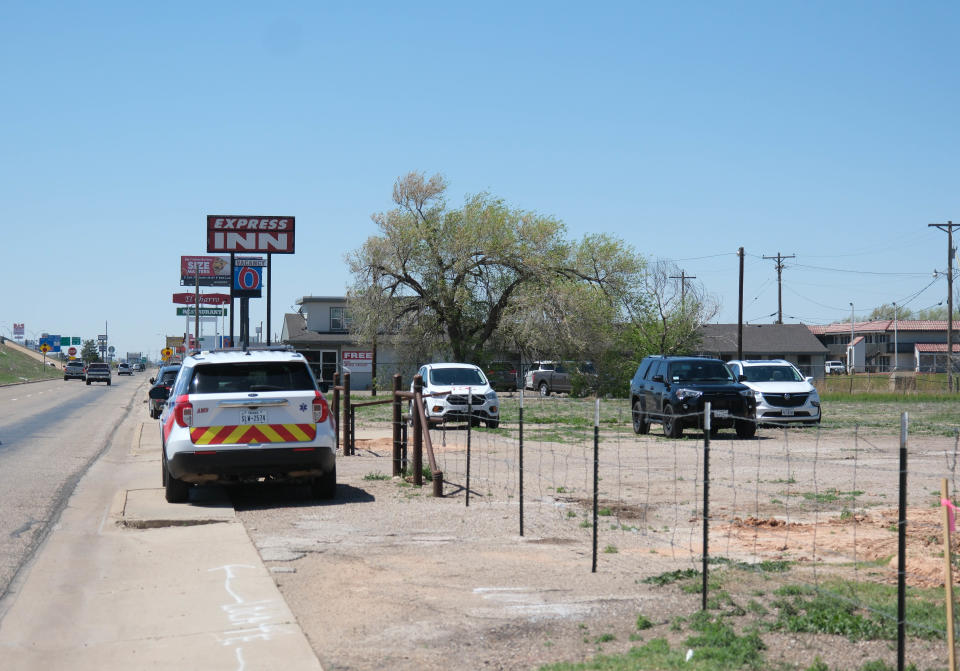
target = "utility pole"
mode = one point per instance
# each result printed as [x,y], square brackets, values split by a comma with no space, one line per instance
[779,259]
[740,311]
[948,227]
[683,277]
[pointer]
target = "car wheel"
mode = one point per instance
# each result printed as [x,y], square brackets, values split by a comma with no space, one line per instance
[745,428]
[544,389]
[176,491]
[671,423]
[88,383]
[640,423]
[325,487]
[493,423]
[108,383]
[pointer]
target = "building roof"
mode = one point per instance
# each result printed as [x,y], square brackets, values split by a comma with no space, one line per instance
[882,325]
[321,299]
[766,339]
[297,333]
[934,347]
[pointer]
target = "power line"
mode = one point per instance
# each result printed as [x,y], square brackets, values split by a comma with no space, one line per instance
[780,259]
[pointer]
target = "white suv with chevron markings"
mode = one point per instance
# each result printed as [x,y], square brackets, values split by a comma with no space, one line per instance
[247,415]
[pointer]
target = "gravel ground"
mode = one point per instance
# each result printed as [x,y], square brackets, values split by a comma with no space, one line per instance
[386,576]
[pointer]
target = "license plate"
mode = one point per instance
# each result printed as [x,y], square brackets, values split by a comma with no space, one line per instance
[787,412]
[253,417]
[721,413]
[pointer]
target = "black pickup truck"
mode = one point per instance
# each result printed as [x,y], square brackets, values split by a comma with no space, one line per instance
[98,372]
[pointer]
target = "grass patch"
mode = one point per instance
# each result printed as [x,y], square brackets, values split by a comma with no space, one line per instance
[15,366]
[376,476]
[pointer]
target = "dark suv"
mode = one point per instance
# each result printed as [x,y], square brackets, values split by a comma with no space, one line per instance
[672,390]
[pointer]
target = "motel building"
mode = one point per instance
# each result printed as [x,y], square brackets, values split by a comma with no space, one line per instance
[320,330]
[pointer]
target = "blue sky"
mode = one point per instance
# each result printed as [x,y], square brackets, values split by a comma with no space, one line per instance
[822,130]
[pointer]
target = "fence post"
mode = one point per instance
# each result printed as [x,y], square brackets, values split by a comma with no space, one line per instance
[706,501]
[336,408]
[469,431]
[521,462]
[948,571]
[347,441]
[397,419]
[902,547]
[596,479]
[417,432]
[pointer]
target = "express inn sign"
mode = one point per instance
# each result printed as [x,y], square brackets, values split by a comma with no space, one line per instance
[245,233]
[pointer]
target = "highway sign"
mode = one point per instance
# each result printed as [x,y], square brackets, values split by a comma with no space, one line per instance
[75,340]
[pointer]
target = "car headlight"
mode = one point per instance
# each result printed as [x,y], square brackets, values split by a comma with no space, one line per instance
[683,394]
[491,395]
[758,397]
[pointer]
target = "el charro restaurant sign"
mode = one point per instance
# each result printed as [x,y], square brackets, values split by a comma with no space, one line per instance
[246,233]
[208,299]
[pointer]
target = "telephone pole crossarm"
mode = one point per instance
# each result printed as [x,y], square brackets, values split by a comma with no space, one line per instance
[779,258]
[948,227]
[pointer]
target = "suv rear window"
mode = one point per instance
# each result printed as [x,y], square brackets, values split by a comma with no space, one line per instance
[217,378]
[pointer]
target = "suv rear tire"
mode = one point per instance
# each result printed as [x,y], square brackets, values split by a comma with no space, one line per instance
[325,487]
[544,389]
[175,491]
[641,424]
[671,423]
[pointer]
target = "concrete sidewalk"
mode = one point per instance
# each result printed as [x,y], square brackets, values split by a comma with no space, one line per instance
[129,581]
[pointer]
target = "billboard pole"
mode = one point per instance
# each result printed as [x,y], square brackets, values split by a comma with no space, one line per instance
[269,286]
[233,343]
[196,312]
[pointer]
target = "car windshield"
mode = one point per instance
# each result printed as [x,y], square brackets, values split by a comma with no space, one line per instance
[700,371]
[772,374]
[445,377]
[218,378]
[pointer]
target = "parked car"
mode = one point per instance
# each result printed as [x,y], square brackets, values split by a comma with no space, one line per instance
[834,367]
[672,390]
[243,416]
[98,372]
[463,392]
[74,370]
[158,393]
[503,376]
[124,369]
[782,394]
[547,377]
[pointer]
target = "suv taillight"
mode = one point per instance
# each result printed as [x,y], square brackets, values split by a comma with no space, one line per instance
[183,411]
[320,408]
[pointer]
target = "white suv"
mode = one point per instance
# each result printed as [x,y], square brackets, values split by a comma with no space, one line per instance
[245,415]
[783,395]
[462,388]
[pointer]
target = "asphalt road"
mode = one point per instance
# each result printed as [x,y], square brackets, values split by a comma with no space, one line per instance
[50,434]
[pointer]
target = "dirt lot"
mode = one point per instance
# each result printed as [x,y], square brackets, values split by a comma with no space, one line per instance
[387,576]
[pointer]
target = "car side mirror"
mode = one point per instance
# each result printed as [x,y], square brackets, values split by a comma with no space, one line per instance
[324,386]
[658,378]
[152,380]
[809,380]
[741,378]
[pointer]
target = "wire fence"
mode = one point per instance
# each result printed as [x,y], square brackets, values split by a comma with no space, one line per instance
[829,503]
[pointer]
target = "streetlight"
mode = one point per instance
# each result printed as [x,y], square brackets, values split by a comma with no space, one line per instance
[851,353]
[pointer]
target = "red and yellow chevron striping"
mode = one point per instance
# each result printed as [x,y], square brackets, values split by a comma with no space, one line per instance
[253,433]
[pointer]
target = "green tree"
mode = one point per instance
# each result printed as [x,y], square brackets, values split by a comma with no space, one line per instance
[89,352]
[887,311]
[465,279]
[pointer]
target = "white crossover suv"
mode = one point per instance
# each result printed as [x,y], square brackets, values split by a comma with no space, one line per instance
[783,394]
[247,415]
[460,388]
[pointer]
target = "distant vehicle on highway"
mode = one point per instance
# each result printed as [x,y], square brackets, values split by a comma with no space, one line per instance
[98,372]
[73,370]
[124,369]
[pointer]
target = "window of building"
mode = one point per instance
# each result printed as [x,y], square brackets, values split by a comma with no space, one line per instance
[340,319]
